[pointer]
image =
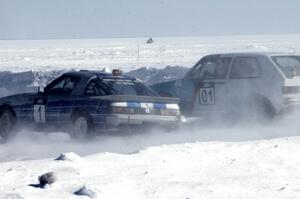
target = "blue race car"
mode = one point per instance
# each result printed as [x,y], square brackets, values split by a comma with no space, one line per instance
[83,102]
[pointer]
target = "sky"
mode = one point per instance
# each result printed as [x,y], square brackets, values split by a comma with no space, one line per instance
[53,19]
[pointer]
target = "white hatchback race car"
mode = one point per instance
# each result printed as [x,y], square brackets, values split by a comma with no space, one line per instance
[233,84]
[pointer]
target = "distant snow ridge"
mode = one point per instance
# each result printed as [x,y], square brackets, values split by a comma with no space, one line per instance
[43,78]
[153,75]
[25,82]
[22,82]
[256,47]
[11,83]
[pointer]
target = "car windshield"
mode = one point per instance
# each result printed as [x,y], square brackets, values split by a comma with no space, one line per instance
[289,65]
[120,86]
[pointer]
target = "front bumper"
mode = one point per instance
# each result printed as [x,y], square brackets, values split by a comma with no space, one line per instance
[136,119]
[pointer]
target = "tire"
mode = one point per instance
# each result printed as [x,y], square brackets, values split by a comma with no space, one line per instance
[81,127]
[261,110]
[7,125]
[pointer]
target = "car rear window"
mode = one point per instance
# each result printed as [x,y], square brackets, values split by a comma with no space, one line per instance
[120,86]
[94,89]
[245,67]
[289,65]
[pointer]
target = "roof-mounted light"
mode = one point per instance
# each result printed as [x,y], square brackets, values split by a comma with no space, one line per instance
[116,72]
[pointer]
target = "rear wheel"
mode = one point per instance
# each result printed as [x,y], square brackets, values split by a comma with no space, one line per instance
[261,110]
[82,127]
[7,124]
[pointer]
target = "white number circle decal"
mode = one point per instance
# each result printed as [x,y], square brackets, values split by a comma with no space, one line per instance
[207,96]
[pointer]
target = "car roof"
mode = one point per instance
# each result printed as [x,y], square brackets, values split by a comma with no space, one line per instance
[90,74]
[263,53]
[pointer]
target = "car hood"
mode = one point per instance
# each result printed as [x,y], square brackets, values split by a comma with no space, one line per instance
[18,99]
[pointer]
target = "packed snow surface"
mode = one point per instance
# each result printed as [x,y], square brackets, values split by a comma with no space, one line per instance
[256,169]
[243,161]
[216,161]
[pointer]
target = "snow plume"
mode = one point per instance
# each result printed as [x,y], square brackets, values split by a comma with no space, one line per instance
[35,145]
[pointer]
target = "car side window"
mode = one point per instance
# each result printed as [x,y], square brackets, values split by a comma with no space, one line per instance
[124,88]
[245,67]
[63,86]
[94,89]
[212,68]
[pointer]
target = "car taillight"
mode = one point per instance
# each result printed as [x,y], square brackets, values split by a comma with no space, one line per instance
[121,107]
[171,110]
[290,89]
[172,106]
[145,108]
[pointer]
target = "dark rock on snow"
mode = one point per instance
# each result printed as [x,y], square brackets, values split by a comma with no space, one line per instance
[83,191]
[47,178]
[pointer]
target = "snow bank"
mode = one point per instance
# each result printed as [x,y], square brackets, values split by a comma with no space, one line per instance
[252,169]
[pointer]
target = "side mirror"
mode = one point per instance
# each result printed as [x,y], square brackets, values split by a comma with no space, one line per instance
[41,89]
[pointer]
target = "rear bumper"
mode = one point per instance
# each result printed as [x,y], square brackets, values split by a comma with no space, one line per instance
[291,102]
[136,119]
[290,105]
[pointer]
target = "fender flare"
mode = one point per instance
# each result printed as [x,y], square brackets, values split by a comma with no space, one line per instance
[264,100]
[7,106]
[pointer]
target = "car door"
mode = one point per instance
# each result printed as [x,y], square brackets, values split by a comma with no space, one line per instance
[244,81]
[56,103]
[204,90]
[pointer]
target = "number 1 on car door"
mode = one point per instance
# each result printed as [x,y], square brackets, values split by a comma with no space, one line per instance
[39,113]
